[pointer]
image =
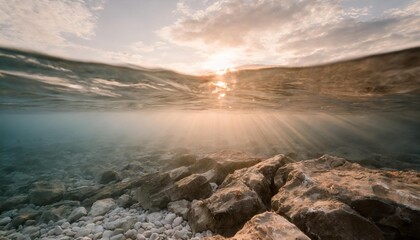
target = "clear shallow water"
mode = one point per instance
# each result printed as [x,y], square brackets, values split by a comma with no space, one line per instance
[68,120]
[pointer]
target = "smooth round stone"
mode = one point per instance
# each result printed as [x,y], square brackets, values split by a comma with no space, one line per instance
[130,234]
[83,232]
[147,226]
[30,222]
[49,233]
[107,234]
[147,233]
[99,228]
[97,235]
[169,232]
[183,234]
[154,236]
[43,231]
[154,216]
[91,227]
[118,237]
[57,230]
[137,225]
[169,218]
[140,237]
[4,221]
[69,232]
[177,221]
[157,224]
[65,225]
[142,218]
[118,231]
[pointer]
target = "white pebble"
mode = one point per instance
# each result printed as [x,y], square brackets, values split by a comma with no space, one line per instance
[58,230]
[154,236]
[65,225]
[177,221]
[131,233]
[147,233]
[137,225]
[140,237]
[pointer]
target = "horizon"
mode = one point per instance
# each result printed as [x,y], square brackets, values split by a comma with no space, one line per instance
[214,35]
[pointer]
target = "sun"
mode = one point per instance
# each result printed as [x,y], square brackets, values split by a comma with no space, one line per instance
[220,62]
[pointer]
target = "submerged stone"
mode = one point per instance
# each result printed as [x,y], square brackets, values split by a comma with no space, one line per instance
[109,176]
[76,214]
[101,207]
[44,192]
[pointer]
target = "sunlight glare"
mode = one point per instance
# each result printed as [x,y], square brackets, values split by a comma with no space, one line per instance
[222,62]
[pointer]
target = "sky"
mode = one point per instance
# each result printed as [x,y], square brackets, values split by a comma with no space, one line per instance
[201,36]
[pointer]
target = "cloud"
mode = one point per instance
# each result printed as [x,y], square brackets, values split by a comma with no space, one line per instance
[147,48]
[46,24]
[293,32]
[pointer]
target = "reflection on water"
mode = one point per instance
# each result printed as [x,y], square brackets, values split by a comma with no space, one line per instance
[381,83]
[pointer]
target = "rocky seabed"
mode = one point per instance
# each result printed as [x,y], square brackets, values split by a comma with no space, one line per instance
[226,195]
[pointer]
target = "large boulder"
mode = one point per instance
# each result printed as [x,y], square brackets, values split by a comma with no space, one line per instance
[242,195]
[226,210]
[44,192]
[330,198]
[267,225]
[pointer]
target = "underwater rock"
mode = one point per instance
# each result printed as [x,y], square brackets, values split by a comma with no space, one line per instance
[44,192]
[125,201]
[109,176]
[217,166]
[115,190]
[55,213]
[242,195]
[23,215]
[225,210]
[31,231]
[267,225]
[182,160]
[179,173]
[76,214]
[134,166]
[181,207]
[101,207]
[5,221]
[330,197]
[81,193]
[192,187]
[13,202]
[152,195]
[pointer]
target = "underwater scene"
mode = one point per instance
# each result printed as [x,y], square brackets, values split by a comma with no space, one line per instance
[209,119]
